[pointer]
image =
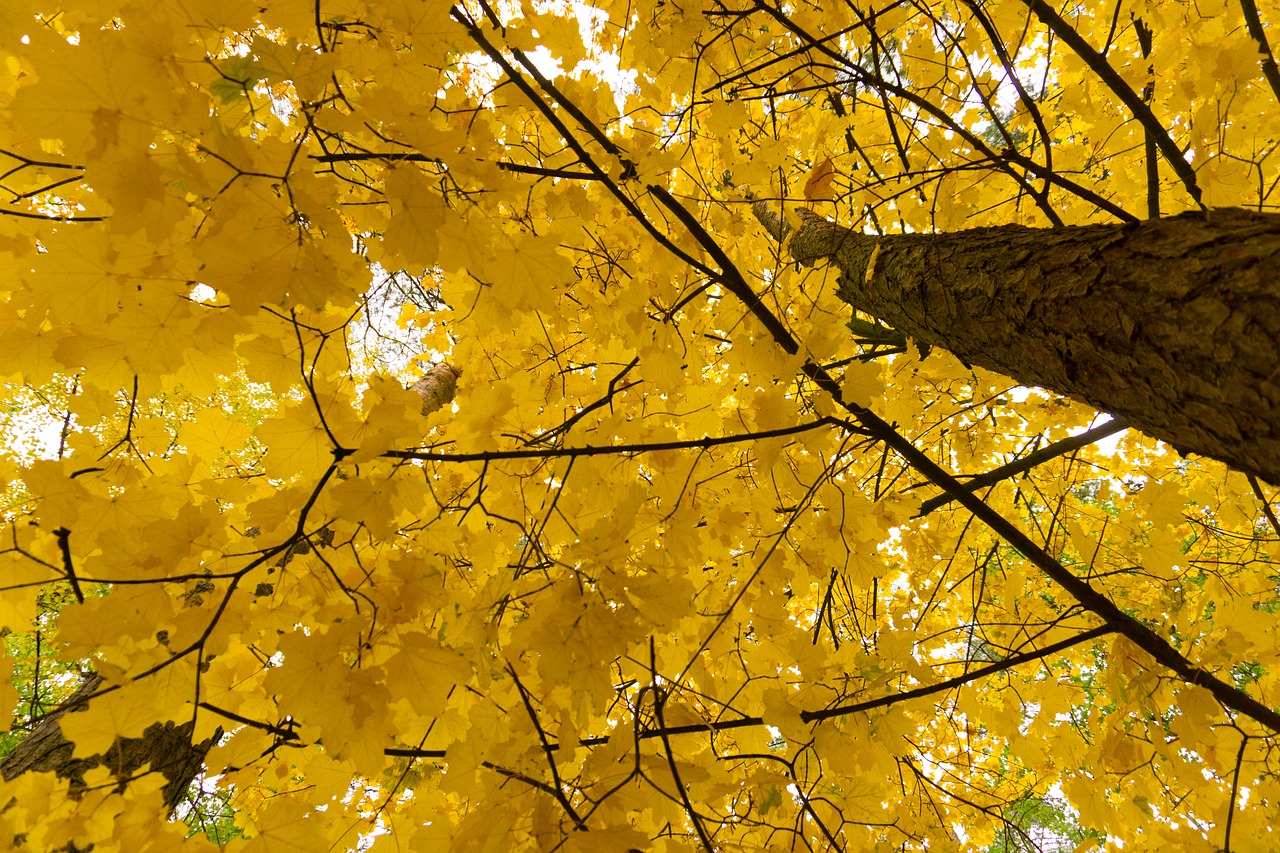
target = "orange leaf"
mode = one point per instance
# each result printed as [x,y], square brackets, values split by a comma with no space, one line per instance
[819,187]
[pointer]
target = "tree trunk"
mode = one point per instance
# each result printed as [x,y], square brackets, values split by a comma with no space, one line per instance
[1172,324]
[166,747]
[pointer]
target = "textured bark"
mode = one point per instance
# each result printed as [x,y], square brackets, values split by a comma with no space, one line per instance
[166,747]
[437,387]
[1172,324]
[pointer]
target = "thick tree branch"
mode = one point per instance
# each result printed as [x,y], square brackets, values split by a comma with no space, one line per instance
[165,747]
[1172,324]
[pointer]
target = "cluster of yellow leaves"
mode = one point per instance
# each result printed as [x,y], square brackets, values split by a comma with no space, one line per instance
[640,587]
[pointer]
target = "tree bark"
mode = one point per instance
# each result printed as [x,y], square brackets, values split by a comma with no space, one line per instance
[166,747]
[1172,324]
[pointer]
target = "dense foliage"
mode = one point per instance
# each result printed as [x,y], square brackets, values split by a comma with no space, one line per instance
[684,559]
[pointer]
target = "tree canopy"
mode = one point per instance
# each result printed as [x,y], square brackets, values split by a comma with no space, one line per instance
[410,407]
